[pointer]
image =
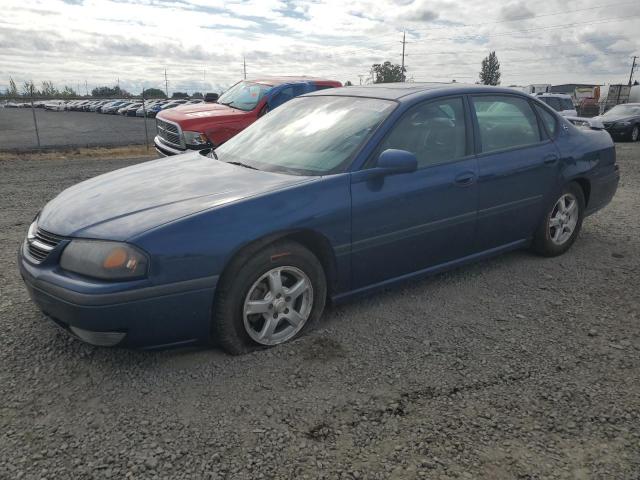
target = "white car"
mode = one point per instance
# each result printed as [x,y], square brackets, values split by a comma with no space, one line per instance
[560,102]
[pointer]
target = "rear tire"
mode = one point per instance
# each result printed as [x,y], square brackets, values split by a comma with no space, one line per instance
[561,223]
[256,304]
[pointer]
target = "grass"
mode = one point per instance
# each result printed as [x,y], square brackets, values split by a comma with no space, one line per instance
[131,151]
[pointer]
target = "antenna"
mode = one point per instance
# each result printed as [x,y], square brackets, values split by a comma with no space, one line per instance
[404,42]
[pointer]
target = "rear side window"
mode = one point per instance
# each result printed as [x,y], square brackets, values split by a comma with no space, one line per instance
[549,121]
[287,93]
[435,132]
[505,122]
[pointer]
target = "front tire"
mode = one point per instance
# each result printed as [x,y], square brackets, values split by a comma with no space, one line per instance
[562,222]
[268,297]
[635,133]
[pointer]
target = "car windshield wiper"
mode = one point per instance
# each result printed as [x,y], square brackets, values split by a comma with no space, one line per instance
[243,165]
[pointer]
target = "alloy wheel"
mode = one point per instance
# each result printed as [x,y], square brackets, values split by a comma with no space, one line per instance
[563,219]
[278,305]
[635,133]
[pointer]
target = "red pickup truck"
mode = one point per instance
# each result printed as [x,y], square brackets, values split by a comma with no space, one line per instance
[207,125]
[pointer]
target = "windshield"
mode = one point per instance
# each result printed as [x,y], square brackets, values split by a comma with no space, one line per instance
[619,110]
[307,135]
[244,95]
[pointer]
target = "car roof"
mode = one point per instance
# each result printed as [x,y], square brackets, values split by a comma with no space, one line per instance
[550,94]
[396,91]
[272,81]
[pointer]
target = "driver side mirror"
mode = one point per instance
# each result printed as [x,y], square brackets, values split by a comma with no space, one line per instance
[396,161]
[211,97]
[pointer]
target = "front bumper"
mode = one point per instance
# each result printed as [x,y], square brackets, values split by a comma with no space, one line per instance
[167,150]
[148,317]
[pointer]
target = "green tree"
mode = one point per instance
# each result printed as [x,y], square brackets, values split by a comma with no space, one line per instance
[177,95]
[12,91]
[154,93]
[490,71]
[49,90]
[388,72]
[110,92]
[348,83]
[67,91]
[197,95]
[29,89]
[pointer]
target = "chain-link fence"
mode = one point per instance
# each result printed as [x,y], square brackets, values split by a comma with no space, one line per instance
[28,123]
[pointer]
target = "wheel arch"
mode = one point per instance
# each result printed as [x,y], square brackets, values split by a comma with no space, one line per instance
[312,240]
[585,185]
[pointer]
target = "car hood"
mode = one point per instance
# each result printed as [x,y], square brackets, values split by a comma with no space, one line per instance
[126,202]
[615,118]
[200,110]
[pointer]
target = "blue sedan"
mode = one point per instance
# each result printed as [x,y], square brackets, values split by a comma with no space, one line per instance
[332,195]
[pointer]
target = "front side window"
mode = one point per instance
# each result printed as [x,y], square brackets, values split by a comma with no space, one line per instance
[308,135]
[505,122]
[435,132]
[244,95]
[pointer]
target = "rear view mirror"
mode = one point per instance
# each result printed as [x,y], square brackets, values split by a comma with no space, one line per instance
[396,161]
[211,97]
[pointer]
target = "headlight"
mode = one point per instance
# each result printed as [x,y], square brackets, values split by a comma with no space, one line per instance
[31,233]
[195,138]
[104,260]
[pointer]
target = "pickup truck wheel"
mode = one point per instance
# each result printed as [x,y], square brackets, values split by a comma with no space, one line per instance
[562,222]
[268,298]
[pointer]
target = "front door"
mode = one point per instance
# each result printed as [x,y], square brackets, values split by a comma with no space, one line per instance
[407,222]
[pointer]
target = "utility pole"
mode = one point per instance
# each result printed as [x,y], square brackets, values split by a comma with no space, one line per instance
[166,83]
[244,66]
[360,76]
[86,88]
[404,41]
[633,67]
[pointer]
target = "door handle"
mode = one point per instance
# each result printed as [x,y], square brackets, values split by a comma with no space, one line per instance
[551,158]
[465,179]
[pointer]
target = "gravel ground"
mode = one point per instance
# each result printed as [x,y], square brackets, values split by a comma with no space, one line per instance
[518,367]
[65,129]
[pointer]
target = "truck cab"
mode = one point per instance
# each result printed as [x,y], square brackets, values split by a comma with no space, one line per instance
[208,125]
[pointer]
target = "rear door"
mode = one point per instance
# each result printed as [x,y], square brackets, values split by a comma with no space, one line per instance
[518,169]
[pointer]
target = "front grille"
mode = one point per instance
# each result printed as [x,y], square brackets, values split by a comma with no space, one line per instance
[41,245]
[169,132]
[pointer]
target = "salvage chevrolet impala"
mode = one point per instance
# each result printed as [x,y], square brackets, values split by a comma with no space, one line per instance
[332,195]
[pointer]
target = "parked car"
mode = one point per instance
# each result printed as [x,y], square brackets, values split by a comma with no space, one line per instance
[155,108]
[112,108]
[323,198]
[148,104]
[623,121]
[194,127]
[55,105]
[561,103]
[130,109]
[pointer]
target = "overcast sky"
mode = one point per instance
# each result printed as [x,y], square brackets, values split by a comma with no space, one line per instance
[201,43]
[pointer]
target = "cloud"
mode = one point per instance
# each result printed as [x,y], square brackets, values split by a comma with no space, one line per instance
[516,11]
[202,43]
